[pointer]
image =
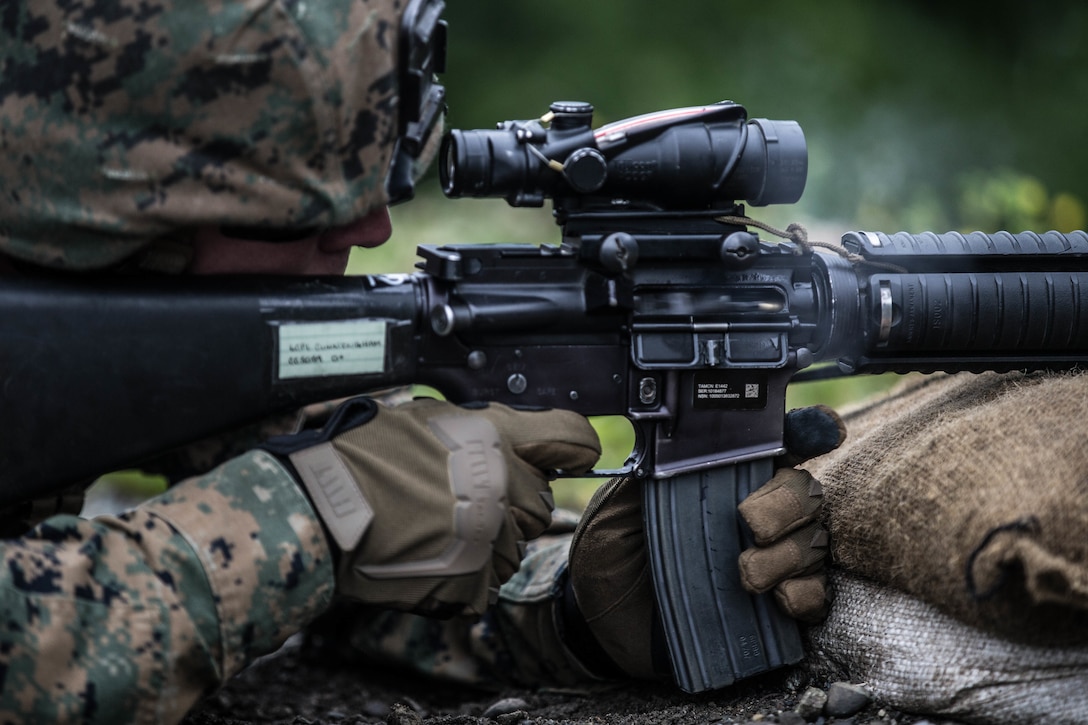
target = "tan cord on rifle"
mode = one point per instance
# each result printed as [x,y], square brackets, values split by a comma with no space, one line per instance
[797,234]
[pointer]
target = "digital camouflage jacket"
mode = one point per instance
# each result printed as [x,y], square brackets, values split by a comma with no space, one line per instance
[133,618]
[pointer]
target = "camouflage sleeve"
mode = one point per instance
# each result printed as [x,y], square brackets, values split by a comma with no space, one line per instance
[133,618]
[518,642]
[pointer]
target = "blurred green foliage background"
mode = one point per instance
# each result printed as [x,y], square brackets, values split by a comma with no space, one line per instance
[904,103]
[918,115]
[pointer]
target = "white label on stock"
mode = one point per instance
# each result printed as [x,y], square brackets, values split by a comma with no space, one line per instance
[325,349]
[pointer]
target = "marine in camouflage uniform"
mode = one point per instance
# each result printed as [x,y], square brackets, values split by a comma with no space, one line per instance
[123,125]
[124,128]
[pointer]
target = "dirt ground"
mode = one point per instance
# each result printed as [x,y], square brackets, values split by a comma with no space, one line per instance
[297,687]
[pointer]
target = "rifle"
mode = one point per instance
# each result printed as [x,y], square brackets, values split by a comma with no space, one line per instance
[658,304]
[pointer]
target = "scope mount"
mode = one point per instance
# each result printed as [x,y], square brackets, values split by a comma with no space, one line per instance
[618,240]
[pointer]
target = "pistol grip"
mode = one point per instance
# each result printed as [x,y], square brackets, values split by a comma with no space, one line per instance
[716,631]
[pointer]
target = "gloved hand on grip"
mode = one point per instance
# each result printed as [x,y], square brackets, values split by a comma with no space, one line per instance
[609,577]
[783,515]
[428,503]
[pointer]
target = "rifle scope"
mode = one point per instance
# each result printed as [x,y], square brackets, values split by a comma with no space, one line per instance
[702,157]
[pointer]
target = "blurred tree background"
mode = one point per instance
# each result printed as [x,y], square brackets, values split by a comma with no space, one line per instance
[907,106]
[919,116]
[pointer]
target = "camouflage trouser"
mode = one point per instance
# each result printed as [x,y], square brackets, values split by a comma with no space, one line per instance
[133,618]
[517,642]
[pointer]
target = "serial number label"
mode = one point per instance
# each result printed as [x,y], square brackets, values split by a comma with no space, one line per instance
[326,349]
[730,390]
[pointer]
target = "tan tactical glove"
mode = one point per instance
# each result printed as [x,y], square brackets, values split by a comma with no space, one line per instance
[783,515]
[429,503]
[609,572]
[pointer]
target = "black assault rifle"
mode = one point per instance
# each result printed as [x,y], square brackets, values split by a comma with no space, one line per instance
[658,305]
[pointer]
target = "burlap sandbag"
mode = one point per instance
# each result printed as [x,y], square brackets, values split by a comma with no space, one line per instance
[958,509]
[970,492]
[917,659]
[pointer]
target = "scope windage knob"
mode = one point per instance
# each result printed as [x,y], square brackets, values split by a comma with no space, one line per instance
[571,114]
[585,170]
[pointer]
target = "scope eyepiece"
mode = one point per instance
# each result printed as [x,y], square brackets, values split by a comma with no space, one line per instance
[680,159]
